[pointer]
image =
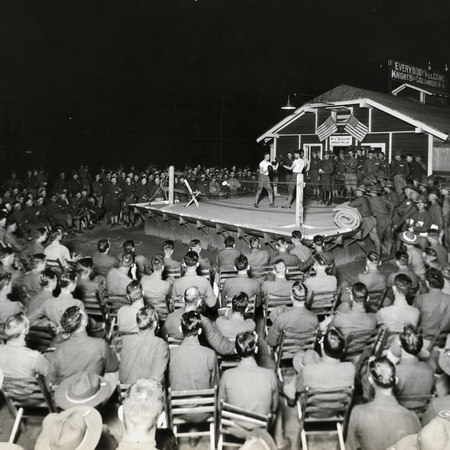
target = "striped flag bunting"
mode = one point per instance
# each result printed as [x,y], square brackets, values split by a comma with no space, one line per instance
[326,129]
[356,128]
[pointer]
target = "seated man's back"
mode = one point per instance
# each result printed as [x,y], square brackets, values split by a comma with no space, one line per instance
[118,279]
[54,308]
[16,359]
[382,422]
[234,322]
[295,319]
[434,306]
[248,386]
[354,318]
[192,366]
[80,352]
[143,355]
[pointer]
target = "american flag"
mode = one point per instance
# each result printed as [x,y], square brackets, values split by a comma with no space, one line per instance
[326,129]
[357,129]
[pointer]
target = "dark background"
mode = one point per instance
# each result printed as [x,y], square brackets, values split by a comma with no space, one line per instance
[185,81]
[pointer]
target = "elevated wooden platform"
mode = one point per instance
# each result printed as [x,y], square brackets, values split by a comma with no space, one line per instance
[214,219]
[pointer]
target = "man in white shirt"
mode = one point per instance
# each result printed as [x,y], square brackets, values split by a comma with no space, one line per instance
[264,180]
[297,167]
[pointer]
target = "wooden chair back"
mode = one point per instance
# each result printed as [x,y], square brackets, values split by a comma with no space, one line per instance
[115,302]
[324,406]
[376,299]
[40,338]
[357,341]
[322,303]
[270,303]
[293,342]
[181,405]
[27,397]
[233,421]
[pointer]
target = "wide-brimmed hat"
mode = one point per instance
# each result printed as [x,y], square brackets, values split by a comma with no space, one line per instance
[361,188]
[389,184]
[408,237]
[433,436]
[83,389]
[376,188]
[77,428]
[410,186]
[420,199]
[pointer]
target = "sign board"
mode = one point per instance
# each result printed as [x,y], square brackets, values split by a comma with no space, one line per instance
[441,158]
[427,79]
[343,141]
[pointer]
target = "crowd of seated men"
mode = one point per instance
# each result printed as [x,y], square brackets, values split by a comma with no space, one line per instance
[78,201]
[171,331]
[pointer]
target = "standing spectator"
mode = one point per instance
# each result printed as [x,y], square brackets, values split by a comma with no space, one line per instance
[400,171]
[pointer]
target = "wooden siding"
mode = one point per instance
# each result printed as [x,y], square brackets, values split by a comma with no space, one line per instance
[322,115]
[385,122]
[311,139]
[362,114]
[306,124]
[287,144]
[382,138]
[416,144]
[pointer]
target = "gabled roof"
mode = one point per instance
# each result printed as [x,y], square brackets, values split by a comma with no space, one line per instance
[432,119]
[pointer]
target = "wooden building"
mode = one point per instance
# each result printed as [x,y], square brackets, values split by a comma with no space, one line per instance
[347,116]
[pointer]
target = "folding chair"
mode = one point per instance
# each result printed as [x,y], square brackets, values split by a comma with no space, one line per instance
[173,342]
[320,407]
[294,273]
[228,362]
[192,194]
[40,338]
[117,338]
[173,273]
[416,403]
[160,304]
[225,275]
[98,311]
[115,302]
[270,303]
[55,265]
[357,341]
[122,390]
[259,273]
[291,343]
[376,300]
[182,404]
[438,340]
[322,303]
[27,397]
[234,423]
[175,303]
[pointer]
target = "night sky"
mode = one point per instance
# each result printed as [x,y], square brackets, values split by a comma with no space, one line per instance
[166,65]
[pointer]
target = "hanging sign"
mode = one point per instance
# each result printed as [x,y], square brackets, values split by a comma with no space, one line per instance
[341,140]
[419,76]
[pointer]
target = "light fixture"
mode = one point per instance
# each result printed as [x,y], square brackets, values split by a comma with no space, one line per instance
[288,104]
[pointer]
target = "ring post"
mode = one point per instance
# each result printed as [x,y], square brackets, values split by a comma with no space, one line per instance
[171,183]
[299,202]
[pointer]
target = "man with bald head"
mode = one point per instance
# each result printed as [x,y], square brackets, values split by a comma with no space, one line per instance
[193,301]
